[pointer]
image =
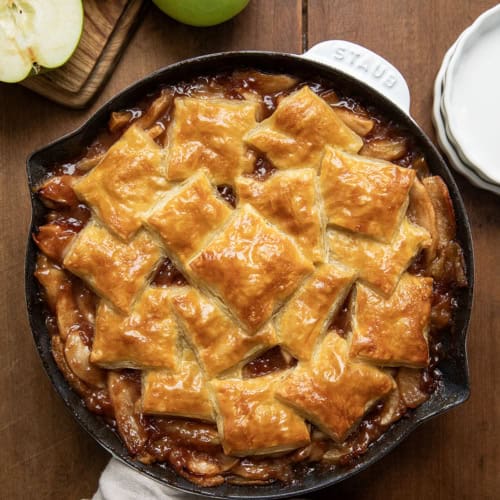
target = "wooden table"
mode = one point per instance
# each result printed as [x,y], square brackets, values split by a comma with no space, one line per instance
[45,455]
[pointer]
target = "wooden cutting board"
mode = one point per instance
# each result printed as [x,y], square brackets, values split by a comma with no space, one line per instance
[108,25]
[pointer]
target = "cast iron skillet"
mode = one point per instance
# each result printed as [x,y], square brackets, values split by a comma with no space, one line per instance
[455,380]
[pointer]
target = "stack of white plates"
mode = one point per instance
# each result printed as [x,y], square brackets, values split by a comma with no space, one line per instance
[466,111]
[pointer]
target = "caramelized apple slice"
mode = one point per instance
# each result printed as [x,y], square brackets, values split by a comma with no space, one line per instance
[58,355]
[421,212]
[96,399]
[201,435]
[119,120]
[67,313]
[205,481]
[53,239]
[449,266]
[266,83]
[263,469]
[157,108]
[58,191]
[335,453]
[362,125]
[313,452]
[385,149]
[419,164]
[125,392]
[393,408]
[85,300]
[156,130]
[77,355]
[443,207]
[408,380]
[208,464]
[330,97]
[86,164]
[51,277]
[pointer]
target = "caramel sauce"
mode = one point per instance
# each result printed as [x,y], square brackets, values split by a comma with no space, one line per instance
[341,322]
[270,361]
[368,431]
[62,226]
[51,324]
[431,375]
[227,192]
[417,267]
[168,275]
[86,332]
[99,402]
[263,169]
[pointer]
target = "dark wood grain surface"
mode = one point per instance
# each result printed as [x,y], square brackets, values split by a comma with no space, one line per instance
[43,452]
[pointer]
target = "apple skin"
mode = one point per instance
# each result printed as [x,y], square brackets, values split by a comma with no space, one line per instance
[201,12]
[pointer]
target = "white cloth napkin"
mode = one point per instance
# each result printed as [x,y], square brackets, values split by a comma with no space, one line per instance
[119,482]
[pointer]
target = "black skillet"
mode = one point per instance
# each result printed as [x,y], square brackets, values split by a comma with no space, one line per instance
[454,388]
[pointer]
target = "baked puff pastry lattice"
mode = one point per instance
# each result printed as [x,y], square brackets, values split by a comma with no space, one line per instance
[324,237]
[126,183]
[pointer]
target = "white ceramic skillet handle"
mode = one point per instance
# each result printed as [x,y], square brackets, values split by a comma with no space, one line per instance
[364,65]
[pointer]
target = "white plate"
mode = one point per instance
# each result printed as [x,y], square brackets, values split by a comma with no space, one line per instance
[445,123]
[471,100]
[453,143]
[456,149]
[442,138]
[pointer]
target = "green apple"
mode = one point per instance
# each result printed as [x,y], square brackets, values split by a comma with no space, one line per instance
[201,12]
[37,34]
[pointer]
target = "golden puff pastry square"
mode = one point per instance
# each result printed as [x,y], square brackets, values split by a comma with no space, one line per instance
[181,392]
[145,338]
[251,421]
[364,195]
[126,183]
[305,317]
[217,340]
[392,331]
[208,133]
[188,215]
[289,199]
[332,391]
[115,270]
[295,135]
[380,265]
[251,266]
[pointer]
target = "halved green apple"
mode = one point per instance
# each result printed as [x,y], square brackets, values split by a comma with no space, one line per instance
[36,34]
